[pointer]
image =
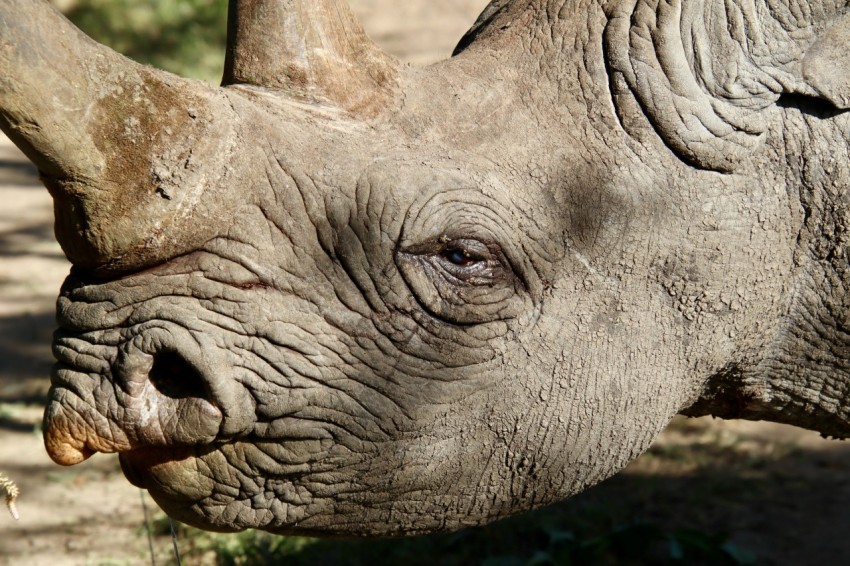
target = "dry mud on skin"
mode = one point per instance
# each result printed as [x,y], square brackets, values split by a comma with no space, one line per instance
[794,505]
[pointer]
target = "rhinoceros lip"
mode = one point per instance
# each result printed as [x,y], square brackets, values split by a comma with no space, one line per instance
[137,463]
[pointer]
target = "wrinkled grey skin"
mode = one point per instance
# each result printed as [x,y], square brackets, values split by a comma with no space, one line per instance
[488,294]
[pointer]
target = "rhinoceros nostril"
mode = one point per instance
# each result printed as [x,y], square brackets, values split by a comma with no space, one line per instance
[172,376]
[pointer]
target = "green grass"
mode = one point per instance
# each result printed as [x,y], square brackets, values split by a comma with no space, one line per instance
[592,529]
[535,540]
[186,37]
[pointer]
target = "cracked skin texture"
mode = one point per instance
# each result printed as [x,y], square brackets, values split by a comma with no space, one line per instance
[485,294]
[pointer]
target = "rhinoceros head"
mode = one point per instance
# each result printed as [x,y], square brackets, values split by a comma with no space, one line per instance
[339,295]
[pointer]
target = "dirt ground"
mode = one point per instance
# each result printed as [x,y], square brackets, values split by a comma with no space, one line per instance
[782,493]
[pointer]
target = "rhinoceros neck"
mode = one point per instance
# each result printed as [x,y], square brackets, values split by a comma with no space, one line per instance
[799,372]
[808,370]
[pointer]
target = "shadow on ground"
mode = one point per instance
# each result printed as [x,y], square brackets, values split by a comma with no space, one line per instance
[25,358]
[13,171]
[27,241]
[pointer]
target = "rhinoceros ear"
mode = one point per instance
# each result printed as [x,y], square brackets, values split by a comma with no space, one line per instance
[826,65]
[652,56]
[314,50]
[704,72]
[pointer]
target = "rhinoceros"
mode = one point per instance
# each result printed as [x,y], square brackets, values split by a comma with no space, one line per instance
[338,295]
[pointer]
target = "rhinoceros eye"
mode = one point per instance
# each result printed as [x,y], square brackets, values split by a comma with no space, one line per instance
[462,280]
[458,257]
[466,253]
[470,261]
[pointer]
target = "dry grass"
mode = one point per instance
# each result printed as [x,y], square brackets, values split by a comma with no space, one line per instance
[12,493]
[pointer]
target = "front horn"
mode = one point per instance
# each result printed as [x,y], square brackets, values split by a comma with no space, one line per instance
[125,150]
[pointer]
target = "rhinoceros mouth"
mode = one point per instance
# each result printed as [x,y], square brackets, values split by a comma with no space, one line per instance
[138,463]
[177,478]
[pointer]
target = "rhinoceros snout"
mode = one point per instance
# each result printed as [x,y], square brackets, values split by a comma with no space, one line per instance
[156,391]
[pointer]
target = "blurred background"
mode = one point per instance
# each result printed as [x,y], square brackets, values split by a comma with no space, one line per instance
[708,492]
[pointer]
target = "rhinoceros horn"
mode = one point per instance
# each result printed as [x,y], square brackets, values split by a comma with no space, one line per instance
[117,144]
[130,152]
[314,50]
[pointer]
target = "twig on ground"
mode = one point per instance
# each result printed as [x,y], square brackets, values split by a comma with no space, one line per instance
[12,493]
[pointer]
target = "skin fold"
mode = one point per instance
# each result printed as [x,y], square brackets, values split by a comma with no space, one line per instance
[341,296]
